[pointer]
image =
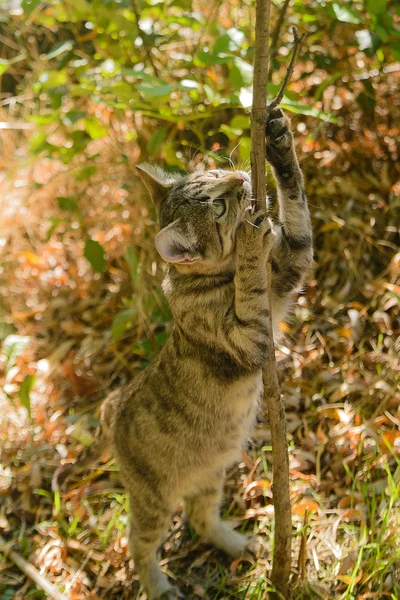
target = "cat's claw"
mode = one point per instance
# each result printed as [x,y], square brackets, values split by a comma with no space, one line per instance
[278,133]
[258,221]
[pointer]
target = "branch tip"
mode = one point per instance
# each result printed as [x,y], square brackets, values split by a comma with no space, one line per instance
[298,40]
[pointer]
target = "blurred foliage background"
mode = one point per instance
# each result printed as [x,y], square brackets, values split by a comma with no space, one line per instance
[90,88]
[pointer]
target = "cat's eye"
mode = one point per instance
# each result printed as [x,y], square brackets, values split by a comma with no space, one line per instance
[219,207]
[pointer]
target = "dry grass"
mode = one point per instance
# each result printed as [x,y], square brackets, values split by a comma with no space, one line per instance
[339,366]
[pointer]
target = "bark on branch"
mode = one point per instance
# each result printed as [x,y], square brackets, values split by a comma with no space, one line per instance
[260,109]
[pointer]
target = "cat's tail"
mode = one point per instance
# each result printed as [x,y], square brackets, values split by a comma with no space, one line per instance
[91,456]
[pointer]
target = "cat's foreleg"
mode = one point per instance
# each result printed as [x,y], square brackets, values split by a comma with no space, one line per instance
[292,254]
[246,325]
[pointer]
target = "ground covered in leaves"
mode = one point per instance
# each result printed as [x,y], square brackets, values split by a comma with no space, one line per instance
[69,334]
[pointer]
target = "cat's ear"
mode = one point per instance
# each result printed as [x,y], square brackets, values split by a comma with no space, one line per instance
[157,182]
[175,246]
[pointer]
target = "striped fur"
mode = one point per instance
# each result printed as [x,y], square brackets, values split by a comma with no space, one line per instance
[178,426]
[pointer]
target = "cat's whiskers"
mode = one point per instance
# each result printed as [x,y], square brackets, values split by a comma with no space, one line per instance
[230,156]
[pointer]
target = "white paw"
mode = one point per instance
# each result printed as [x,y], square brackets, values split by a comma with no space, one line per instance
[255,546]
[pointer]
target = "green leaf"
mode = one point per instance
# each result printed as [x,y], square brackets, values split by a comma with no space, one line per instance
[143,348]
[28,6]
[123,321]
[67,203]
[376,7]
[94,252]
[244,148]
[155,91]
[245,70]
[45,119]
[95,129]
[236,77]
[37,142]
[397,296]
[367,103]
[13,346]
[345,14]
[85,173]
[311,111]
[222,44]
[229,132]
[81,90]
[54,221]
[367,99]
[25,391]
[240,122]
[72,117]
[4,64]
[132,259]
[209,58]
[158,137]
[52,79]
[395,49]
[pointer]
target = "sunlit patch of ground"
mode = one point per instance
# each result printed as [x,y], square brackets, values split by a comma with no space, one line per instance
[77,334]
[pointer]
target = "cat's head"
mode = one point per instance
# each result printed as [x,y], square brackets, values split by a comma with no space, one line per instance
[199,215]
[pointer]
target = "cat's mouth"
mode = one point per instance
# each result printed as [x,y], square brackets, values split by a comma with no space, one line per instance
[187,259]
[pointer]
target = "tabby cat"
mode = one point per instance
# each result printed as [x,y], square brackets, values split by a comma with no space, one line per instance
[177,427]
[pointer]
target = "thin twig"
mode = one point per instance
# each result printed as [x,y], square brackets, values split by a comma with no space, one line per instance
[30,571]
[297,44]
[301,561]
[277,30]
[143,38]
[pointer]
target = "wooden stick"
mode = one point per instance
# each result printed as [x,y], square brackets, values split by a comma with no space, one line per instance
[259,110]
[283,517]
[297,43]
[30,571]
[281,565]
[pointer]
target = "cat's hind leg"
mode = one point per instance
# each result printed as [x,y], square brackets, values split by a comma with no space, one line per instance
[203,512]
[149,520]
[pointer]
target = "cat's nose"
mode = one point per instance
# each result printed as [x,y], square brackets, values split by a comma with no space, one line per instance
[245,176]
[233,180]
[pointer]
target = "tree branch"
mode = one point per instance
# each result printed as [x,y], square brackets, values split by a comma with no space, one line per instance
[259,111]
[297,44]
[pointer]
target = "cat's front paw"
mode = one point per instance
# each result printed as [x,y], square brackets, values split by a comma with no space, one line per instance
[255,234]
[279,138]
